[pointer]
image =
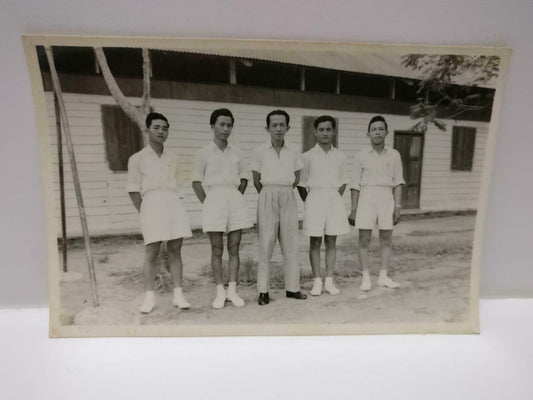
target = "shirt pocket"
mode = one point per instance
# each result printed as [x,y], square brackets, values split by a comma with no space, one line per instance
[171,173]
[233,165]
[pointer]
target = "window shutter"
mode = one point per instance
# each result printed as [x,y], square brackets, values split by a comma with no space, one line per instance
[463,145]
[469,146]
[122,137]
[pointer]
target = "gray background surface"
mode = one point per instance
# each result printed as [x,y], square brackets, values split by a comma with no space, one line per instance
[506,264]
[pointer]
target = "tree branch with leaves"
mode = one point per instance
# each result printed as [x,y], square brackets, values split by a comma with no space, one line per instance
[438,87]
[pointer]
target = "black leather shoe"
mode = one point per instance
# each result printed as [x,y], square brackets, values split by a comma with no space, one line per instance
[296,295]
[263,299]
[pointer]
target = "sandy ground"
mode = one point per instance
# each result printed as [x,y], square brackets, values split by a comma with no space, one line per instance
[431,260]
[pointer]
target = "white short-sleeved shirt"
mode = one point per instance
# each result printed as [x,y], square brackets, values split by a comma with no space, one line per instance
[276,169]
[214,167]
[323,170]
[147,171]
[377,169]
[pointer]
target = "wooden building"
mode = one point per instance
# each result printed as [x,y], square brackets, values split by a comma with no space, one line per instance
[443,170]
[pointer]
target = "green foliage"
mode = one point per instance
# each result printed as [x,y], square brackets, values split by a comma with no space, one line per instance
[437,92]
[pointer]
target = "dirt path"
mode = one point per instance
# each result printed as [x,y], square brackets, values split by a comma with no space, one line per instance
[431,260]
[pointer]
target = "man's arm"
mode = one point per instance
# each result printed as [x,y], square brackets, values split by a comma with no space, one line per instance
[296,178]
[243,185]
[342,189]
[136,199]
[199,190]
[257,181]
[397,193]
[355,201]
[303,192]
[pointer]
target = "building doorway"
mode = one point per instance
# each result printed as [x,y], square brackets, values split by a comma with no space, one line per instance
[410,145]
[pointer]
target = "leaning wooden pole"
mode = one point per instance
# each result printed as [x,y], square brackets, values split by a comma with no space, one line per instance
[75,176]
[61,184]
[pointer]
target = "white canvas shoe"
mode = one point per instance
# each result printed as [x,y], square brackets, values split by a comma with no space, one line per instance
[235,299]
[221,297]
[317,287]
[330,287]
[366,284]
[387,282]
[233,296]
[179,300]
[148,304]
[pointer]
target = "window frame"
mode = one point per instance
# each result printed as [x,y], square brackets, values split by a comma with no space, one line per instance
[463,148]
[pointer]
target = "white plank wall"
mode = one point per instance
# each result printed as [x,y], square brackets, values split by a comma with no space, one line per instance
[108,205]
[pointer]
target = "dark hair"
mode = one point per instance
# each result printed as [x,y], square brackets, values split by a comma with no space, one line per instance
[224,112]
[278,112]
[376,119]
[325,118]
[153,115]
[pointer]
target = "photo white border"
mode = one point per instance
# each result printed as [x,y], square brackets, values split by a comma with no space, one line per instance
[471,325]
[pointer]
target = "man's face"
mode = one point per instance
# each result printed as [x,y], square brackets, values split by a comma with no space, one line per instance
[377,133]
[324,132]
[222,128]
[277,128]
[158,131]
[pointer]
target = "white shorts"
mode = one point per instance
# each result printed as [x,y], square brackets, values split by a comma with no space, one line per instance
[325,213]
[375,207]
[224,210]
[163,217]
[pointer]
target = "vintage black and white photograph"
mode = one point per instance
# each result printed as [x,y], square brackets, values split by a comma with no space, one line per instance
[202,187]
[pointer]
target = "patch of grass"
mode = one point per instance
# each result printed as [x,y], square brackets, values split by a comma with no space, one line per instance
[248,272]
[433,247]
[433,233]
[103,259]
[163,281]
[436,214]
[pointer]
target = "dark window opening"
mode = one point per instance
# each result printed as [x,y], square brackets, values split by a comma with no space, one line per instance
[69,60]
[185,67]
[268,74]
[463,144]
[122,137]
[406,90]
[365,85]
[125,62]
[320,80]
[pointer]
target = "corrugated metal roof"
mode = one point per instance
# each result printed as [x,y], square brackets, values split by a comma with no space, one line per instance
[338,59]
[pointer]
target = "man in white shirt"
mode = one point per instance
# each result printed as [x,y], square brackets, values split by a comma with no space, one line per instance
[376,199]
[276,169]
[219,169]
[325,214]
[153,180]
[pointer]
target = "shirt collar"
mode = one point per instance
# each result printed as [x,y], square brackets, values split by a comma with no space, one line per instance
[214,147]
[371,149]
[269,144]
[148,149]
[319,149]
